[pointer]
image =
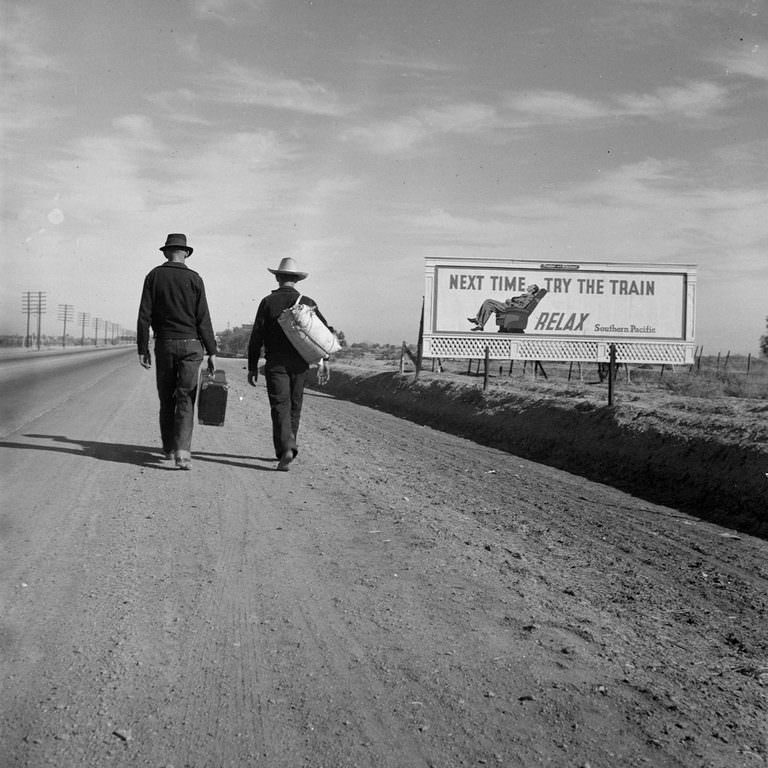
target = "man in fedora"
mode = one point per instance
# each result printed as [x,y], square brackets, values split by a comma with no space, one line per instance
[173,303]
[285,370]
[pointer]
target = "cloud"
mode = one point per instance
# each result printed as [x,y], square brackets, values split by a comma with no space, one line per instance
[140,132]
[694,100]
[530,109]
[236,84]
[556,107]
[189,47]
[28,73]
[228,12]
[179,105]
[108,179]
[410,64]
[751,61]
[402,134]
[22,54]
[681,219]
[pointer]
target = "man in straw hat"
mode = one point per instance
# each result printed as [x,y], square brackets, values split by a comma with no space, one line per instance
[285,370]
[173,303]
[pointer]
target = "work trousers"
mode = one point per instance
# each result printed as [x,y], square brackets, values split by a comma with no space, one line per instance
[285,388]
[177,364]
[487,308]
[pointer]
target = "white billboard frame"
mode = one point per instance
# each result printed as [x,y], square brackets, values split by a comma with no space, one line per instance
[633,344]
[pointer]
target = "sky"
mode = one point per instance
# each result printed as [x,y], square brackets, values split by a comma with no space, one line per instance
[360,136]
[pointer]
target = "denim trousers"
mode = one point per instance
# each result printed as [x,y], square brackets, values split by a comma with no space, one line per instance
[177,363]
[285,388]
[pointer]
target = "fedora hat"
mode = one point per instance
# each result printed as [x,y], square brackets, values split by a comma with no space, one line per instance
[177,241]
[288,267]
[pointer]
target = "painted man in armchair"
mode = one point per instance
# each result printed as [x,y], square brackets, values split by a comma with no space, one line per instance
[511,314]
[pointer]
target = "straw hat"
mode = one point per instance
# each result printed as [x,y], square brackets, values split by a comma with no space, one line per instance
[287,268]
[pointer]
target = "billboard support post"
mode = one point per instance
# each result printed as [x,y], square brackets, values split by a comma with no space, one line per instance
[420,343]
[611,372]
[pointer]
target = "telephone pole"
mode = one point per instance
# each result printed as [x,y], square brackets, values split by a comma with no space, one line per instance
[26,307]
[96,332]
[41,299]
[83,317]
[66,313]
[33,303]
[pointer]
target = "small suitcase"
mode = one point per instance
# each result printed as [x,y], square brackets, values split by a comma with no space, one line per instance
[212,402]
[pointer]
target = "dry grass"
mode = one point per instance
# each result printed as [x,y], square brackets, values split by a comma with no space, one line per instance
[709,378]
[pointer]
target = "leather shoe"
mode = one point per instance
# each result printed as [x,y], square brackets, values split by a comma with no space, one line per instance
[285,460]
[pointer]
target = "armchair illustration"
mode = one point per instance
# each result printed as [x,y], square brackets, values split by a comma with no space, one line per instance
[514,318]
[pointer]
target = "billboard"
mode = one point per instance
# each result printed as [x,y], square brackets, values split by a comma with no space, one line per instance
[570,302]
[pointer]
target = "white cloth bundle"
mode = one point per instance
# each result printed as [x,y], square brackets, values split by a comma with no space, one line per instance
[310,336]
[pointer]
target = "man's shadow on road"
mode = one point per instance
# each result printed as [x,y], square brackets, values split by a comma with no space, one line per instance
[123,453]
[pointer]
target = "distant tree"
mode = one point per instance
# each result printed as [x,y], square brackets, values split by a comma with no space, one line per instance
[234,342]
[764,340]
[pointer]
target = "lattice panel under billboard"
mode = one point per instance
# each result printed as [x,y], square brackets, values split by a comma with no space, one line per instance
[639,352]
[467,347]
[532,348]
[556,349]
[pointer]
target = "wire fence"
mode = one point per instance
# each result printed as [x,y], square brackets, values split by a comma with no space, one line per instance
[717,375]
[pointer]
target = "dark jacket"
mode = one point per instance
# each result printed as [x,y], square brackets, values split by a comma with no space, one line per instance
[267,332]
[173,303]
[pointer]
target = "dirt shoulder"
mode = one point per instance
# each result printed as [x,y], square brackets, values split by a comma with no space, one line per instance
[706,456]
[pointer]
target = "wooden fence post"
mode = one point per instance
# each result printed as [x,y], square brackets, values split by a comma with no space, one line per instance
[485,367]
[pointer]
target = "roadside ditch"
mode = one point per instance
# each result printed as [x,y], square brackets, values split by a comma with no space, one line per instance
[719,481]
